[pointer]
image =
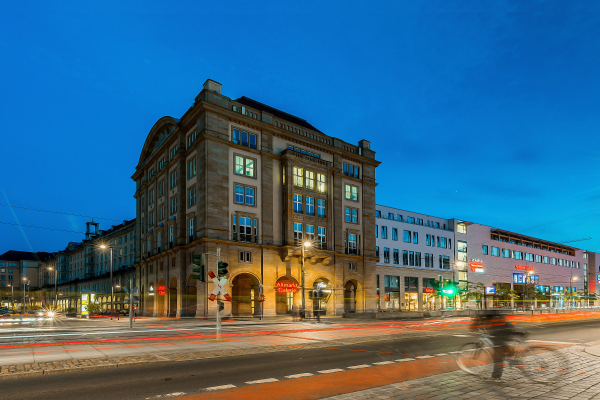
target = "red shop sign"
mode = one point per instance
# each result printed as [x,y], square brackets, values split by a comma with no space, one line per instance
[428,290]
[161,290]
[286,287]
[476,266]
[525,267]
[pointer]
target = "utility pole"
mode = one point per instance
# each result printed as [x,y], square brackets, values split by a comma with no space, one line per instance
[130,302]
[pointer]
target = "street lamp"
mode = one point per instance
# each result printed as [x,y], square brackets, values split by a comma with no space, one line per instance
[305,244]
[112,292]
[573,278]
[24,293]
[55,284]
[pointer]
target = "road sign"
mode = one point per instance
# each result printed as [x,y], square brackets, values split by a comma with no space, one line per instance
[219,287]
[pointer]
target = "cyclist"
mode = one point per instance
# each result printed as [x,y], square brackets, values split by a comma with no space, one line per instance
[501,332]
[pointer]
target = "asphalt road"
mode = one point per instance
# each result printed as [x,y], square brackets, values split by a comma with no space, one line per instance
[170,380]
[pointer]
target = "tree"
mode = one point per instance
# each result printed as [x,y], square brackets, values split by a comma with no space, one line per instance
[474,290]
[94,308]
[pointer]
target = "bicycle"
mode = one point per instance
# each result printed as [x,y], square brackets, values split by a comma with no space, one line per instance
[540,363]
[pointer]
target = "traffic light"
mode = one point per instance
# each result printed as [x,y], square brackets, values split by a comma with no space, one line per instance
[262,297]
[221,306]
[450,289]
[198,261]
[222,270]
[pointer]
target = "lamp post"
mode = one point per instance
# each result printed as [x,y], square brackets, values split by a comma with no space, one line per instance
[12,295]
[573,278]
[55,289]
[305,244]
[112,292]
[25,293]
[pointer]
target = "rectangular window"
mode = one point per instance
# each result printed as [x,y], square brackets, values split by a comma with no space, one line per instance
[386,255]
[404,257]
[310,232]
[310,205]
[192,196]
[298,178]
[517,255]
[427,240]
[244,138]
[249,196]
[444,262]
[352,244]
[173,179]
[239,194]
[191,230]
[377,253]
[321,183]
[348,214]
[351,192]
[427,260]
[461,228]
[553,261]
[394,233]
[538,258]
[233,228]
[322,237]
[495,251]
[506,253]
[354,216]
[192,168]
[321,208]
[297,203]
[415,237]
[407,235]
[298,233]
[546,260]
[245,229]
[310,180]
[396,256]
[484,249]
[384,232]
[245,166]
[411,258]
[417,259]
[161,188]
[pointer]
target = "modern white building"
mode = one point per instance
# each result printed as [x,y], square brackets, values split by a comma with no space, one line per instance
[414,250]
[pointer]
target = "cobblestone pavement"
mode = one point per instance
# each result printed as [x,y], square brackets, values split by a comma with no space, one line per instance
[580,382]
[15,370]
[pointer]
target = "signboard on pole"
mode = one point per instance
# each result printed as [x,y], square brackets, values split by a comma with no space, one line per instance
[85,301]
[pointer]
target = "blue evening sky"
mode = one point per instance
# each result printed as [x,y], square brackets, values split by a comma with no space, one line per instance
[484,111]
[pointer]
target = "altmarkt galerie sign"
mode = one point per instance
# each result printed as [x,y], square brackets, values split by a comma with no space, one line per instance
[286,287]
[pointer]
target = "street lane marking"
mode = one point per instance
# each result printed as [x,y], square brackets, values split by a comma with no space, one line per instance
[220,387]
[383,363]
[441,354]
[268,380]
[299,375]
[359,366]
[551,341]
[424,357]
[462,335]
[405,359]
[329,371]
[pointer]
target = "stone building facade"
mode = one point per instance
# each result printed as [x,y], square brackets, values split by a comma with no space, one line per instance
[85,267]
[252,183]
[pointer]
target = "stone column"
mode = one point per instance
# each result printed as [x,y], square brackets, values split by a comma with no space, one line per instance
[402,289]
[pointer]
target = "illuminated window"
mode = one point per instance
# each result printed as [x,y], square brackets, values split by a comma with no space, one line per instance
[297,176]
[310,180]
[245,166]
[321,182]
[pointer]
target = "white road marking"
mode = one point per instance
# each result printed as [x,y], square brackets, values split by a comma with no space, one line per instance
[405,359]
[329,371]
[455,352]
[175,394]
[359,366]
[424,357]
[462,335]
[221,387]
[550,341]
[383,363]
[263,381]
[441,354]
[299,375]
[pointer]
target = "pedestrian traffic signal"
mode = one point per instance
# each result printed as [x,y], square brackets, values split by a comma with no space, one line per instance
[221,306]
[262,297]
[222,270]
[198,261]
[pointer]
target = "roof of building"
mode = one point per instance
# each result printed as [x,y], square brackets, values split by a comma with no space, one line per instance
[277,113]
[15,255]
[532,239]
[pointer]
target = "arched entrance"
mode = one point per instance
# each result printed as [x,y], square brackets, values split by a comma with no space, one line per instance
[286,292]
[244,292]
[173,298]
[190,298]
[323,286]
[350,296]
[160,298]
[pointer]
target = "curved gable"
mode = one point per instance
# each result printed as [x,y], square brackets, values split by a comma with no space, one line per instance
[161,130]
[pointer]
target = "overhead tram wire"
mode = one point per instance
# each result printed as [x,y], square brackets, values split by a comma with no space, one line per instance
[58,212]
[40,227]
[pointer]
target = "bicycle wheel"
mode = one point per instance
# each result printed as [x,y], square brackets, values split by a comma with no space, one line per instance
[541,364]
[475,360]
